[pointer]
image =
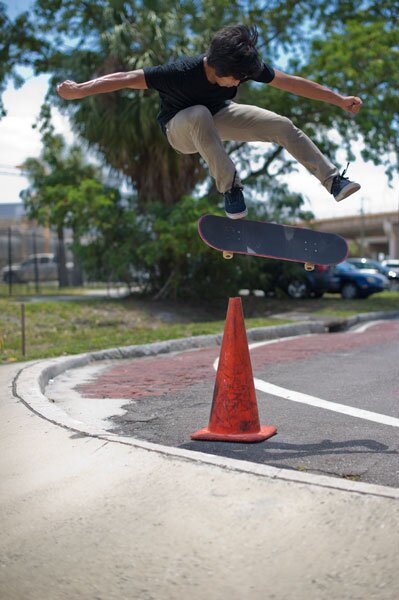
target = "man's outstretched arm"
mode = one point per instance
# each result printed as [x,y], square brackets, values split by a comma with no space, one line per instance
[70,90]
[315,91]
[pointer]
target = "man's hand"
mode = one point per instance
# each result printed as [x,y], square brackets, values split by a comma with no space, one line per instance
[69,90]
[351,104]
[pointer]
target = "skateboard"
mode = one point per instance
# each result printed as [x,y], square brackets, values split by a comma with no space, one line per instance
[271,240]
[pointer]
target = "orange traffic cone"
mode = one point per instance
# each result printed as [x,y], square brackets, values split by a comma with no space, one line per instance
[234,413]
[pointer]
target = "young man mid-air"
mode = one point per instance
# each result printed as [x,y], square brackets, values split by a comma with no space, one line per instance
[198,111]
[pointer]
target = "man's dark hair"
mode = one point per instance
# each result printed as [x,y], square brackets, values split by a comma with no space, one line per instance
[233,52]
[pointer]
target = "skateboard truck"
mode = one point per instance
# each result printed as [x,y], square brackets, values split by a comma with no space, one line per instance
[229,255]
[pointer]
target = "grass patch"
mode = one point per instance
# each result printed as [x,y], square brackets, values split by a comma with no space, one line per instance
[332,305]
[55,328]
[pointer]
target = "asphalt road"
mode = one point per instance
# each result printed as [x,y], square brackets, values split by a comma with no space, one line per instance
[167,397]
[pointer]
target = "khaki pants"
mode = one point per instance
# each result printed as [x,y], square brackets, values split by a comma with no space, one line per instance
[194,130]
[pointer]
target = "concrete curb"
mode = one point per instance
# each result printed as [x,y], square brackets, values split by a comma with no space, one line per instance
[30,383]
[340,324]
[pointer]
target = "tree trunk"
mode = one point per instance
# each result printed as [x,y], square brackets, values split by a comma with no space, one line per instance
[167,176]
[62,270]
[77,275]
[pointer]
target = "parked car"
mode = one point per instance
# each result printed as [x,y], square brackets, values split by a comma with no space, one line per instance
[24,272]
[373,266]
[306,284]
[392,264]
[344,279]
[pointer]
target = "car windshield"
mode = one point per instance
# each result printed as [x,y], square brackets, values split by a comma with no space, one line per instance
[373,263]
[392,264]
[366,263]
[346,266]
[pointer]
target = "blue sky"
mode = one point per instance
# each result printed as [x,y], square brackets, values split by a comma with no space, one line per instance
[18,141]
[14,7]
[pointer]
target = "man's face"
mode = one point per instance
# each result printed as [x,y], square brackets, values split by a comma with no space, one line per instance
[228,81]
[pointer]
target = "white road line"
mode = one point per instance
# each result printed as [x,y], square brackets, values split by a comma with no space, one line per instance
[279,340]
[275,390]
[365,326]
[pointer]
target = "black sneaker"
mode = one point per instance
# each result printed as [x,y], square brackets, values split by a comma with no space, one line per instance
[342,187]
[234,203]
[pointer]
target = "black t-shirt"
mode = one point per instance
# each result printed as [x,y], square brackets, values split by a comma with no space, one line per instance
[184,83]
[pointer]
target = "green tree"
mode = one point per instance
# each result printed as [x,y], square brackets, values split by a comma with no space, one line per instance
[64,191]
[361,54]
[346,45]
[19,46]
[109,233]
[343,44]
[84,40]
[354,48]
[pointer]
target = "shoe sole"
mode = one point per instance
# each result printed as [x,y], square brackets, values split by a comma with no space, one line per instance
[240,215]
[349,189]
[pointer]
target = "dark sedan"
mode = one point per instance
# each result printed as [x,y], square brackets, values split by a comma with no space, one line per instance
[342,279]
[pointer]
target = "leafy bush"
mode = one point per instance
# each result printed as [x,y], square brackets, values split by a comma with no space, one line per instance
[160,250]
[178,262]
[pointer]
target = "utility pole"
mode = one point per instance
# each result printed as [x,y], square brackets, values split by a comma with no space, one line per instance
[9,261]
[36,266]
[362,226]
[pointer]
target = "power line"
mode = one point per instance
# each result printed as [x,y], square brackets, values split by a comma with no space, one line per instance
[12,174]
[12,170]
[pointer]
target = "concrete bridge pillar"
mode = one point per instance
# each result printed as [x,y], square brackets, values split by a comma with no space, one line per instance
[391,228]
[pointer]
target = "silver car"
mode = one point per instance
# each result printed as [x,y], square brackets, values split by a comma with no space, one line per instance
[392,265]
[24,272]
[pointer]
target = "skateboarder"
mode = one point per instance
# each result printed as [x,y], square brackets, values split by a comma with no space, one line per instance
[198,111]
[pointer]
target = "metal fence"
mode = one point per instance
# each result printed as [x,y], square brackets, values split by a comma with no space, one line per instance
[28,255]
[23,241]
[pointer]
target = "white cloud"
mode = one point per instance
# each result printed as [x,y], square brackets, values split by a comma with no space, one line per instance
[18,139]
[375,195]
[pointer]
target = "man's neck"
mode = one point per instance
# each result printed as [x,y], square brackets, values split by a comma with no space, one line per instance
[209,71]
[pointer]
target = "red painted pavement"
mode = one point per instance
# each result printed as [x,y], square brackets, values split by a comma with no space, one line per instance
[152,376]
[303,348]
[161,375]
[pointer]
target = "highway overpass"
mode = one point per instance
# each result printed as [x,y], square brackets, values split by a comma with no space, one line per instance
[375,234]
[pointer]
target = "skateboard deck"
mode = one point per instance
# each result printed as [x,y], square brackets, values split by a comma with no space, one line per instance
[271,240]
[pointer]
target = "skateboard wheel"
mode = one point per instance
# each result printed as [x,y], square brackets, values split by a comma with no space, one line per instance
[228,255]
[309,267]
